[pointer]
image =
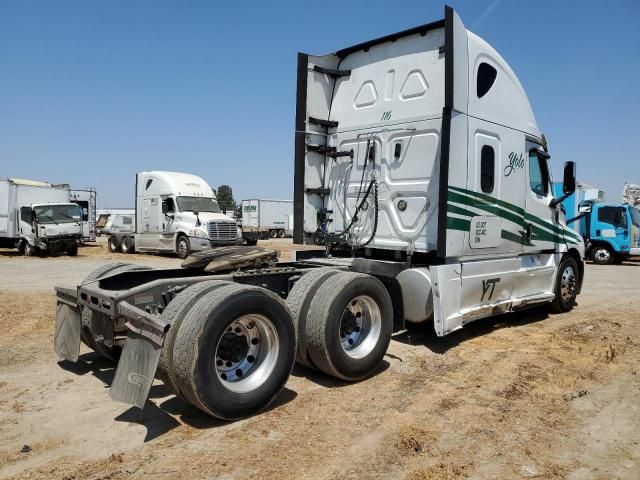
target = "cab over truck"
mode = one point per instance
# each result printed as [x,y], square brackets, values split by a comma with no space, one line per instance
[419,163]
[611,233]
[175,213]
[37,217]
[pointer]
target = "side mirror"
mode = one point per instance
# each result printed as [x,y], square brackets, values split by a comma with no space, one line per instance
[165,207]
[584,207]
[569,178]
[568,184]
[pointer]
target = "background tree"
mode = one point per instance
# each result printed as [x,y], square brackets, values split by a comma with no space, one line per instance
[225,198]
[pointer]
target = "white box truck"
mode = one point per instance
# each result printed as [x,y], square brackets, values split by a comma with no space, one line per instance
[37,217]
[266,219]
[176,213]
[419,163]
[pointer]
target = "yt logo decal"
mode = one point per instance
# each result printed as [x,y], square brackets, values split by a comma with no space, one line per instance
[386,116]
[489,284]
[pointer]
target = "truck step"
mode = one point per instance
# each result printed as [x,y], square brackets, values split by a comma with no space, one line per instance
[331,71]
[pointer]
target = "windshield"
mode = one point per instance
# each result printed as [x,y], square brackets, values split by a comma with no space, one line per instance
[635,216]
[198,204]
[58,214]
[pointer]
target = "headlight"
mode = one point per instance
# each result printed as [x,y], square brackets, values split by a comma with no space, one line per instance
[200,234]
[239,232]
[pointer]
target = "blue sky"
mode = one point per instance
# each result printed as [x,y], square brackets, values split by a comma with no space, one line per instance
[93,91]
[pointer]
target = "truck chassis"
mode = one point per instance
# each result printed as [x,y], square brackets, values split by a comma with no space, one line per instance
[158,322]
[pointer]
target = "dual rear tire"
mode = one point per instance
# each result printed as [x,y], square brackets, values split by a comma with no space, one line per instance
[232,348]
[344,322]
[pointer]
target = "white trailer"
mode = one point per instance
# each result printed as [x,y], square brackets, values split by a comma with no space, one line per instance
[266,218]
[37,216]
[86,199]
[176,213]
[419,164]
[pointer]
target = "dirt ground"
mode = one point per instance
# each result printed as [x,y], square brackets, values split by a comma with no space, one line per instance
[525,395]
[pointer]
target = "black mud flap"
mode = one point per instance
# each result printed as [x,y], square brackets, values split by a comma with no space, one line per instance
[66,339]
[140,356]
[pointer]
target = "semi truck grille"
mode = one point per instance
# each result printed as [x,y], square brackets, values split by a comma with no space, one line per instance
[222,230]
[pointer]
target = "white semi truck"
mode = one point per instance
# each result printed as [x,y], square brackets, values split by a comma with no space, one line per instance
[419,163]
[176,213]
[37,217]
[263,219]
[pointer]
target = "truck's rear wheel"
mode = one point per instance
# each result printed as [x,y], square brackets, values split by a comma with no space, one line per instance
[73,251]
[251,242]
[349,325]
[175,313]
[273,233]
[567,281]
[183,247]
[602,255]
[280,233]
[126,244]
[234,351]
[113,244]
[94,323]
[298,301]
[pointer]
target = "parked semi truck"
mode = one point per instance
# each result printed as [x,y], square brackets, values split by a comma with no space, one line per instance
[418,157]
[37,217]
[611,232]
[176,213]
[263,219]
[86,199]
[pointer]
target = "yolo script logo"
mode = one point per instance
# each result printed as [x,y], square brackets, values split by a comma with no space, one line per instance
[515,161]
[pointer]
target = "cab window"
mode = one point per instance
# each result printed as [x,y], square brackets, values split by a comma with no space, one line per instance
[615,216]
[25,214]
[538,174]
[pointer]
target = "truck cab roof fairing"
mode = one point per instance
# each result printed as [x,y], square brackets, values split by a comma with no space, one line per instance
[506,102]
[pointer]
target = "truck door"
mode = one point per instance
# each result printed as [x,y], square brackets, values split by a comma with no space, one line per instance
[613,226]
[542,233]
[541,230]
[26,226]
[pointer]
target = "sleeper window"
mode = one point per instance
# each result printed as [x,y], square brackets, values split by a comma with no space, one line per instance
[487,168]
[485,78]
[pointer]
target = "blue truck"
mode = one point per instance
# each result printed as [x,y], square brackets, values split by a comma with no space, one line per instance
[611,232]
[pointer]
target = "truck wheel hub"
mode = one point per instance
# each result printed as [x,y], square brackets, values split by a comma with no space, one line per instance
[246,353]
[360,326]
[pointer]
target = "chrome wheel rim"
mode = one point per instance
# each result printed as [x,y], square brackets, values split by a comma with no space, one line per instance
[568,284]
[602,255]
[246,353]
[360,326]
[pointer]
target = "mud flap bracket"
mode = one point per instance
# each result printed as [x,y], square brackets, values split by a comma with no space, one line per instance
[140,355]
